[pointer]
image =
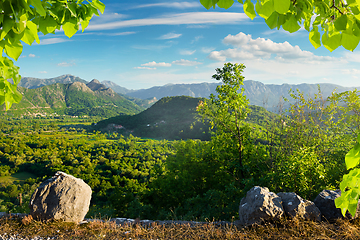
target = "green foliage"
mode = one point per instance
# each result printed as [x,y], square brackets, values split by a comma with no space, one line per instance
[349,186]
[22,20]
[302,172]
[339,21]
[228,110]
[196,184]
[118,171]
[301,150]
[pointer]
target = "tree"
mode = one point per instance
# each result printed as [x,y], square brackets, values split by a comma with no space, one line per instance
[21,20]
[228,110]
[337,20]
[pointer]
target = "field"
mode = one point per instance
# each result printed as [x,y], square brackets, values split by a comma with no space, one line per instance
[19,177]
[285,229]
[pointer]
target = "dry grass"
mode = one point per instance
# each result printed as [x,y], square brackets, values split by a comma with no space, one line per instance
[284,229]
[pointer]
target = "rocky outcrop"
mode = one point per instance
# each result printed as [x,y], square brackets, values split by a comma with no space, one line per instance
[62,197]
[297,207]
[259,205]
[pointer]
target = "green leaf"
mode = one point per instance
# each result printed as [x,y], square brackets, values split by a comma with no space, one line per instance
[291,25]
[22,22]
[208,3]
[272,21]
[349,42]
[84,24]
[70,27]
[341,22]
[282,6]
[331,42]
[314,37]
[8,23]
[28,37]
[99,5]
[225,3]
[249,9]
[38,6]
[352,158]
[33,28]
[342,203]
[17,97]
[13,50]
[72,8]
[265,9]
[51,24]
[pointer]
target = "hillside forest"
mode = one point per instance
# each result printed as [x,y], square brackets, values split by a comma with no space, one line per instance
[198,167]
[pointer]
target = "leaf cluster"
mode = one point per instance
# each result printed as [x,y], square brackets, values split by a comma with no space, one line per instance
[331,23]
[22,20]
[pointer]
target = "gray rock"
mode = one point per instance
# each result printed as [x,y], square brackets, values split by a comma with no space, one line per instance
[62,197]
[259,205]
[325,202]
[297,207]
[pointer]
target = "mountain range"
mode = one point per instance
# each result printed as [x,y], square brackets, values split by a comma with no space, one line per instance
[260,94]
[76,98]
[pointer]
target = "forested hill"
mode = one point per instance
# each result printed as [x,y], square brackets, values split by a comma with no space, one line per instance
[92,99]
[171,118]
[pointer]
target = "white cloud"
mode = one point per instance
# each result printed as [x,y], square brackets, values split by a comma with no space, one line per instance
[350,71]
[121,33]
[180,5]
[108,16]
[155,64]
[352,56]
[48,41]
[147,68]
[197,38]
[183,62]
[32,55]
[153,47]
[207,49]
[187,52]
[170,36]
[271,62]
[248,48]
[106,34]
[175,19]
[42,71]
[66,64]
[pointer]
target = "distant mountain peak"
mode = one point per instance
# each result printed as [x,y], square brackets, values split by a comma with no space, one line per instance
[95,85]
[81,87]
[95,81]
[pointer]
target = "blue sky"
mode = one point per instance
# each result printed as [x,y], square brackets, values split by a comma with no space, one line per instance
[140,44]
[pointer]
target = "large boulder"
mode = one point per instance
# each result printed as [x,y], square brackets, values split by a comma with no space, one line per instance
[259,205]
[325,201]
[297,207]
[62,197]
